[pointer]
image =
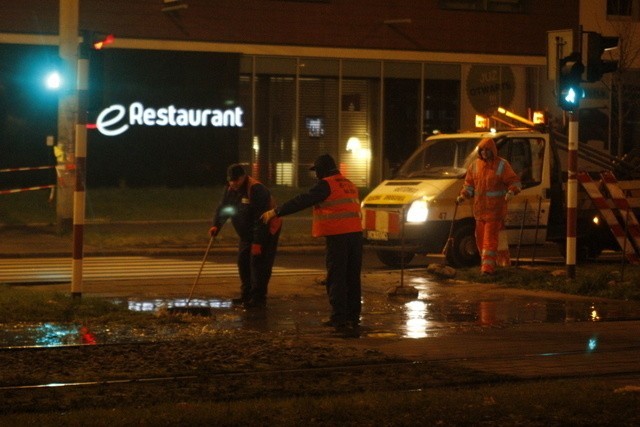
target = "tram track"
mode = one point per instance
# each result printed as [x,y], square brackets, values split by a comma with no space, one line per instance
[202,380]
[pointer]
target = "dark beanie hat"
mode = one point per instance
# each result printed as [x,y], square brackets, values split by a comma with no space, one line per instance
[235,171]
[324,163]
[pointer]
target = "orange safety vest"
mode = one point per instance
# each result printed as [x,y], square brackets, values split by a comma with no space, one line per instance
[340,212]
[276,222]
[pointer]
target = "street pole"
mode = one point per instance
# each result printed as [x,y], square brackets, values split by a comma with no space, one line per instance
[572,193]
[81,166]
[67,110]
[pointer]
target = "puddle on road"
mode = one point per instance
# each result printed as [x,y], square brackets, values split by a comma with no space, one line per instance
[429,315]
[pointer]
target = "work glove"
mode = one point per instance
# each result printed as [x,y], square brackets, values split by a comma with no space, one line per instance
[256,249]
[268,216]
[460,200]
[508,196]
[213,231]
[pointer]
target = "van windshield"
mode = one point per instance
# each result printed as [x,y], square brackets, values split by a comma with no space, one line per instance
[440,159]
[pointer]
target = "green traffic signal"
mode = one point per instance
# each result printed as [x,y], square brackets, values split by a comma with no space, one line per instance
[568,88]
[53,80]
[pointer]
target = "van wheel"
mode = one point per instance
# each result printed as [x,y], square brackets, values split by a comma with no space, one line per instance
[464,251]
[394,259]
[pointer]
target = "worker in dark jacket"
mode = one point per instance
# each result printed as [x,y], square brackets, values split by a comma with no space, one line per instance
[337,217]
[244,201]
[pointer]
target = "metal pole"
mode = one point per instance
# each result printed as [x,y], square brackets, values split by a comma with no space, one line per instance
[69,11]
[624,247]
[402,250]
[524,217]
[572,194]
[535,238]
[81,168]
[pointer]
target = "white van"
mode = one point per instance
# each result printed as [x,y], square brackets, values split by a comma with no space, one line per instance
[415,211]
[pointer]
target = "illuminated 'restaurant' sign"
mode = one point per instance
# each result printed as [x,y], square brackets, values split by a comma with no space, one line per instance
[113,120]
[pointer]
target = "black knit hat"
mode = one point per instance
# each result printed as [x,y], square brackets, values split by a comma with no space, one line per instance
[324,163]
[235,171]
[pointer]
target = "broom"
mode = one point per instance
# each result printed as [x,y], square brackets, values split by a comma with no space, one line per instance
[195,310]
[449,244]
[443,270]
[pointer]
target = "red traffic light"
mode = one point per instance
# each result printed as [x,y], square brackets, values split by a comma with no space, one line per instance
[101,41]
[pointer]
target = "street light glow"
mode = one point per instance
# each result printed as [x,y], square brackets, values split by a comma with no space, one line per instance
[53,80]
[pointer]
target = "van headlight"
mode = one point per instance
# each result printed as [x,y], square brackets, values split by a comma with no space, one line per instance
[418,211]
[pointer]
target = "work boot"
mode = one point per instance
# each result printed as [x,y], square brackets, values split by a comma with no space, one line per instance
[333,324]
[355,323]
[255,303]
[347,331]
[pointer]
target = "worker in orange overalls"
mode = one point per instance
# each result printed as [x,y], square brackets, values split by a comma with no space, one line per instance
[491,181]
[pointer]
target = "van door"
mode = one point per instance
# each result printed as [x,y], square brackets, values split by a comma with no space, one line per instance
[528,213]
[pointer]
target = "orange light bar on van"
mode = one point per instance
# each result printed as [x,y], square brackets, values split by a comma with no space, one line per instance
[482,122]
[539,118]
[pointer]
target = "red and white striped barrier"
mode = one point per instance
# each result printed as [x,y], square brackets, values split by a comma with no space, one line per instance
[32,168]
[609,216]
[22,190]
[381,221]
[620,201]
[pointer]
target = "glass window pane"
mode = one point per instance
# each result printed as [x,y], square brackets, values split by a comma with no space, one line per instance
[361,69]
[404,70]
[275,65]
[319,67]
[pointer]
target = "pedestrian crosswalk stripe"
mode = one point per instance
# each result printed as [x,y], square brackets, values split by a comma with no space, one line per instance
[31,270]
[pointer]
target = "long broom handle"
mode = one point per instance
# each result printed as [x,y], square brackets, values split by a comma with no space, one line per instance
[450,237]
[206,254]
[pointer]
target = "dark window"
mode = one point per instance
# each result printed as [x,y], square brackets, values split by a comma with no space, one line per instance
[619,7]
[441,106]
[525,156]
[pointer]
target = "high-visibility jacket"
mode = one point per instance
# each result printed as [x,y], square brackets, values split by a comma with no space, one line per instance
[340,212]
[488,182]
[276,223]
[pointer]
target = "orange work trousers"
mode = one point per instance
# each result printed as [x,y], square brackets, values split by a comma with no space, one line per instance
[487,233]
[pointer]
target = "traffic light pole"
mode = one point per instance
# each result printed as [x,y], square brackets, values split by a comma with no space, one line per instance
[572,193]
[81,168]
[67,110]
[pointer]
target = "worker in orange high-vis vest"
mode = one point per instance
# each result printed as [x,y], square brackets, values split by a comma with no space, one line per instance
[337,217]
[244,200]
[491,181]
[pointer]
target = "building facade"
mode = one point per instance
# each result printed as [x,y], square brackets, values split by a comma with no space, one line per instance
[275,83]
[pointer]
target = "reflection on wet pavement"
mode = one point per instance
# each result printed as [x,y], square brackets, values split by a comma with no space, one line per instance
[439,309]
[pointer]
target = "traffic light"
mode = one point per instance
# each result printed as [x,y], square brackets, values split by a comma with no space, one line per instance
[597,44]
[55,74]
[568,88]
[96,41]
[101,40]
